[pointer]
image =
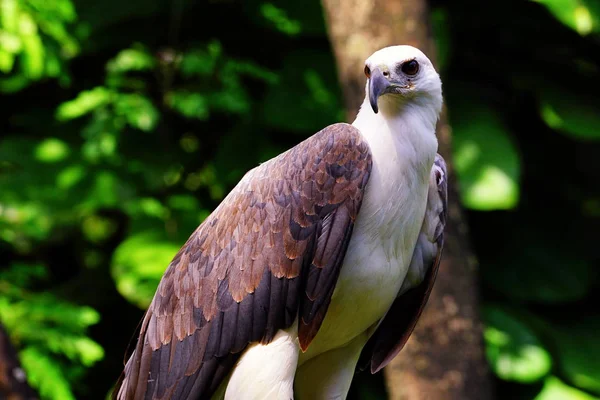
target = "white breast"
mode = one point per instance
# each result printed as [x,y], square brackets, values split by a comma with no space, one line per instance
[386,228]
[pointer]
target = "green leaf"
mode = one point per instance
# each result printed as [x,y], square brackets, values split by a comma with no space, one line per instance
[6,60]
[201,62]
[278,17]
[44,374]
[573,114]
[152,207]
[138,264]
[35,33]
[85,102]
[512,349]
[486,160]
[183,202]
[9,15]
[33,49]
[579,15]
[138,111]
[190,105]
[292,18]
[51,150]
[134,59]
[52,333]
[70,176]
[554,389]
[578,351]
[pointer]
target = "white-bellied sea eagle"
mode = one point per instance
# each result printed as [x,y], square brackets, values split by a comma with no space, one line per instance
[317,263]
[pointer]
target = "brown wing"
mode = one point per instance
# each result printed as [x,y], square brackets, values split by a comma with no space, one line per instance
[269,253]
[399,322]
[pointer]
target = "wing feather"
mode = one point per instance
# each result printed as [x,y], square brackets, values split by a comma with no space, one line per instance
[268,254]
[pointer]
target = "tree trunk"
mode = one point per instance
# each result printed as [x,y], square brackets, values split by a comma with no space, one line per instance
[444,357]
[13,382]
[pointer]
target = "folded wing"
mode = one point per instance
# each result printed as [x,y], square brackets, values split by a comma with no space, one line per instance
[271,252]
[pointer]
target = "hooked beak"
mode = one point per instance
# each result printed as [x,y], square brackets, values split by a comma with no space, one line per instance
[378,85]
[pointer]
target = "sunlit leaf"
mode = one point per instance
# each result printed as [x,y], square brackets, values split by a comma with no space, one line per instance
[554,389]
[138,110]
[6,61]
[139,263]
[44,374]
[486,160]
[51,150]
[84,103]
[153,207]
[34,41]
[134,59]
[512,349]
[33,49]
[9,15]
[578,15]
[10,45]
[70,176]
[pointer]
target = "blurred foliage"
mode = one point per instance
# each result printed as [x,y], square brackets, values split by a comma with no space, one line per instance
[512,349]
[554,389]
[485,159]
[581,15]
[123,124]
[35,41]
[52,333]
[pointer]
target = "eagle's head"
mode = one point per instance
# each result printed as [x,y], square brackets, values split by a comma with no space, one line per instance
[402,75]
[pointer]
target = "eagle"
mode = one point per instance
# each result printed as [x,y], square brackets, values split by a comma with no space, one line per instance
[317,264]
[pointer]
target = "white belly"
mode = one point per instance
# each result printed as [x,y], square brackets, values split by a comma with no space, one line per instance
[374,268]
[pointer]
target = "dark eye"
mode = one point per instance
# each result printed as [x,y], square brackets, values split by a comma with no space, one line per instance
[367,71]
[410,67]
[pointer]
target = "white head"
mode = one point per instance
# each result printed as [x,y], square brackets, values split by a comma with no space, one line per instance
[399,77]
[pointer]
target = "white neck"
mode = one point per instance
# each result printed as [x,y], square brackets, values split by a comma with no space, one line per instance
[403,148]
[400,135]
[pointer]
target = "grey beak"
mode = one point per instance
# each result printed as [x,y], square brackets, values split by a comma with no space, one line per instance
[378,85]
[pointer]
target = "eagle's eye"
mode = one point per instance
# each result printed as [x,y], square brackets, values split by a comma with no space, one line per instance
[367,71]
[410,67]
